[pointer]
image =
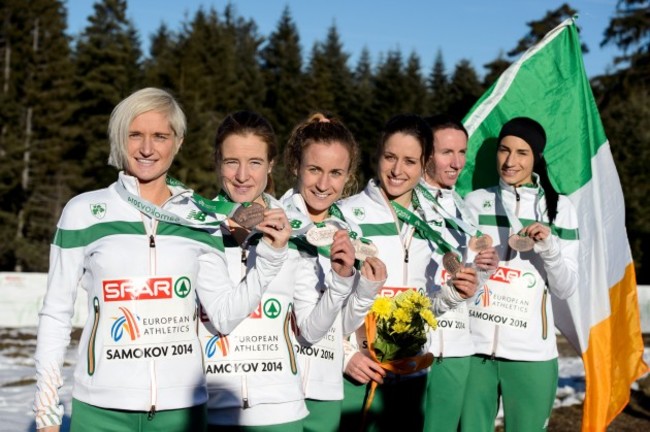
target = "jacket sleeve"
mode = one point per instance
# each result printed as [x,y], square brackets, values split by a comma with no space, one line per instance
[359,303]
[560,252]
[55,324]
[315,316]
[228,305]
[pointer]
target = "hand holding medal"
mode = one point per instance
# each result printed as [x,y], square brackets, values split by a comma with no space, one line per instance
[463,278]
[274,225]
[342,253]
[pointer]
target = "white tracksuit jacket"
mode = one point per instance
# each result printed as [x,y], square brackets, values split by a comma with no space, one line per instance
[407,256]
[139,349]
[452,337]
[511,316]
[321,363]
[252,372]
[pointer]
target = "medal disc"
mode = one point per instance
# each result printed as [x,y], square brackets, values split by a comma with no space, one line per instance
[451,263]
[321,235]
[521,243]
[249,216]
[364,250]
[480,243]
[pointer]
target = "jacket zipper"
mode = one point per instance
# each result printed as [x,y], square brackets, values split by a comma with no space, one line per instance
[93,335]
[508,252]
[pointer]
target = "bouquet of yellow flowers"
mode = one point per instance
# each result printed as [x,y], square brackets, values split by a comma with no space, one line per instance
[396,330]
[401,325]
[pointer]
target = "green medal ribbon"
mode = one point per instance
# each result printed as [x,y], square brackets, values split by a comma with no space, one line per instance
[156,212]
[220,206]
[422,227]
[459,224]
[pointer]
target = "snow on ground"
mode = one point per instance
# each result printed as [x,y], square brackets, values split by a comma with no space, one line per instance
[17,380]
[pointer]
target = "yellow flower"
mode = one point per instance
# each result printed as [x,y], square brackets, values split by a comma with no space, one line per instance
[402,315]
[400,327]
[382,307]
[430,319]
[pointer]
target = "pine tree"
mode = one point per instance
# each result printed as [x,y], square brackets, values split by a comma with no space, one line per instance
[283,77]
[329,79]
[416,88]
[107,58]
[464,88]
[362,120]
[34,138]
[494,69]
[439,87]
[539,28]
[629,30]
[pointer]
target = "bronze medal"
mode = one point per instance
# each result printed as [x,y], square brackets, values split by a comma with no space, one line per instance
[451,263]
[521,243]
[363,250]
[480,243]
[321,235]
[249,216]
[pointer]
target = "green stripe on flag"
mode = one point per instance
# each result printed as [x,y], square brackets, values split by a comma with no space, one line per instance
[540,85]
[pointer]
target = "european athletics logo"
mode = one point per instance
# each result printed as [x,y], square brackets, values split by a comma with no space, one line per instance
[483,296]
[126,322]
[217,341]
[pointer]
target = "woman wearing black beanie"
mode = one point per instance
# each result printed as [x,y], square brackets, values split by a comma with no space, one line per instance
[511,318]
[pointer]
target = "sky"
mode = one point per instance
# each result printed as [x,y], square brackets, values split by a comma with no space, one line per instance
[476,30]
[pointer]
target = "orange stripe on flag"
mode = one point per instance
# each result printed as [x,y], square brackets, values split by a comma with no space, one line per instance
[614,357]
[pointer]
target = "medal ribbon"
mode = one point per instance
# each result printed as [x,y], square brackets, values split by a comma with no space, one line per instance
[156,212]
[513,220]
[219,206]
[422,227]
[459,224]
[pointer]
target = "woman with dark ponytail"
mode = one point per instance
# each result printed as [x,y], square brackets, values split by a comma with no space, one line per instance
[511,318]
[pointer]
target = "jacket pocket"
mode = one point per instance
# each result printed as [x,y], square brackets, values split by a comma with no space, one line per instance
[93,337]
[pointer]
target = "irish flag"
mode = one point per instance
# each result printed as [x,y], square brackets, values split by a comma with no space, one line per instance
[548,83]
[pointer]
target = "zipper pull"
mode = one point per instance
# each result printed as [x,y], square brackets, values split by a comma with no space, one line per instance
[439,359]
[517,196]
[493,357]
[246,405]
[243,256]
[152,242]
[152,413]
[406,255]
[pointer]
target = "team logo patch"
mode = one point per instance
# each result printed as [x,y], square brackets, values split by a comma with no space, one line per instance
[217,346]
[488,204]
[295,223]
[98,210]
[125,324]
[272,308]
[359,213]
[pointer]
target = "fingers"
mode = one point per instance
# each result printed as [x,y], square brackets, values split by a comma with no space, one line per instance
[364,369]
[466,282]
[487,259]
[275,227]
[342,254]
[374,269]
[537,231]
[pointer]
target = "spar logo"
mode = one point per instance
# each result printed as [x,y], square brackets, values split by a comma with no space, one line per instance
[483,296]
[125,324]
[217,346]
[505,275]
[154,288]
[391,292]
